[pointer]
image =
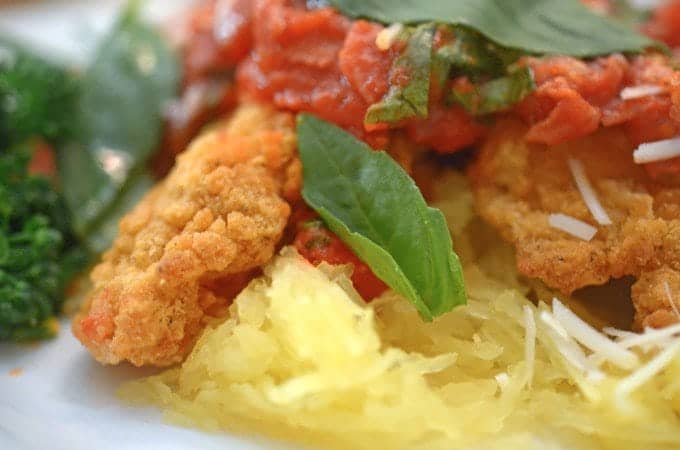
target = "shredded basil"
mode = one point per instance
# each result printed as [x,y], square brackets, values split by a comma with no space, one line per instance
[498,84]
[375,207]
[472,55]
[496,95]
[409,101]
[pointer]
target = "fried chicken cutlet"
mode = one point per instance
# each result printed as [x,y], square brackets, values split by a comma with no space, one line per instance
[517,186]
[217,216]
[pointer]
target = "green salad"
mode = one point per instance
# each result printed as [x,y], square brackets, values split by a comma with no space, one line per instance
[99,127]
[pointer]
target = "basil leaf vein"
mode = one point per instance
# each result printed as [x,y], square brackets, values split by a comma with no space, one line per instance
[375,207]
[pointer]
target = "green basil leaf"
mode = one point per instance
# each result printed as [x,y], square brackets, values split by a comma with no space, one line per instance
[473,55]
[496,95]
[131,79]
[624,12]
[375,207]
[107,225]
[411,100]
[533,26]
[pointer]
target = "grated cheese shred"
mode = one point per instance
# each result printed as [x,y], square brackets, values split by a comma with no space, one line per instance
[669,294]
[572,226]
[651,337]
[643,90]
[644,374]
[569,349]
[592,339]
[388,36]
[657,151]
[503,380]
[587,192]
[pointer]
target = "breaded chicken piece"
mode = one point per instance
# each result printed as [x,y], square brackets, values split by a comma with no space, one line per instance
[518,185]
[192,242]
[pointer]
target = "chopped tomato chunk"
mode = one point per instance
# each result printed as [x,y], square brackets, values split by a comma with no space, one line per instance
[665,23]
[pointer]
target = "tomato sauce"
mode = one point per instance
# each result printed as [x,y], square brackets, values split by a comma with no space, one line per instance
[318,244]
[318,61]
[574,98]
[665,23]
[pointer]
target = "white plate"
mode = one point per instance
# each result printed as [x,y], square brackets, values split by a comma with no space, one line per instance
[61,399]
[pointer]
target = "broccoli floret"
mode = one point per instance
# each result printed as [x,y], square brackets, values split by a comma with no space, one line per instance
[37,98]
[38,253]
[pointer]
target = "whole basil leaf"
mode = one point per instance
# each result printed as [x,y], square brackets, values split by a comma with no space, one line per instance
[375,207]
[411,100]
[533,26]
[496,95]
[131,79]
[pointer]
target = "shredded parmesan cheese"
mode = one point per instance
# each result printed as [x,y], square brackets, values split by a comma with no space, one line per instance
[615,332]
[223,24]
[643,90]
[549,320]
[388,36]
[657,151]
[650,337]
[592,339]
[588,193]
[503,379]
[670,299]
[644,374]
[569,349]
[573,226]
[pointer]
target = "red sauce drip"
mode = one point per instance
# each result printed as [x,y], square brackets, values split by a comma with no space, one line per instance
[318,244]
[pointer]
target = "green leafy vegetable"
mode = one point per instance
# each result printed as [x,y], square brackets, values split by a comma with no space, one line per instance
[462,52]
[624,12]
[533,26]
[471,54]
[496,95]
[373,206]
[105,127]
[124,91]
[38,253]
[410,100]
[37,98]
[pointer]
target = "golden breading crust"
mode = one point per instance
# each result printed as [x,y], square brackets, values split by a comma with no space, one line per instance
[518,185]
[218,215]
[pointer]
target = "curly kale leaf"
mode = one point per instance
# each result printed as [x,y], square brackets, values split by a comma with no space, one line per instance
[37,98]
[38,253]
